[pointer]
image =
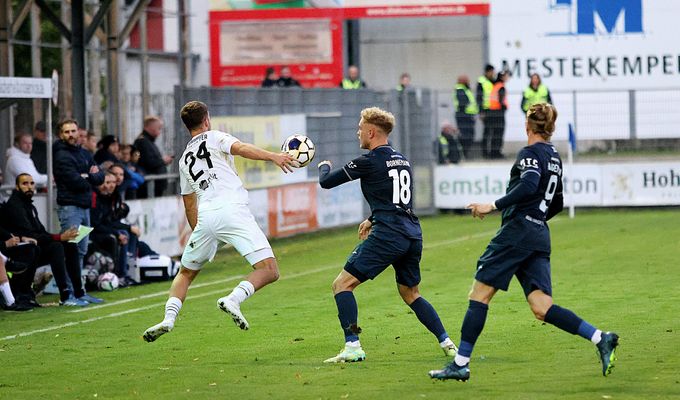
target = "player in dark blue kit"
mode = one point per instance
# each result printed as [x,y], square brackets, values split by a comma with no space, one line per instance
[391,234]
[522,248]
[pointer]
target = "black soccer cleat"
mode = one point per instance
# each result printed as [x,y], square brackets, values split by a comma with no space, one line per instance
[452,371]
[607,350]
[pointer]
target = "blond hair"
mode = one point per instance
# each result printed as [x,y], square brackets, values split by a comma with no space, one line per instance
[150,119]
[379,117]
[541,119]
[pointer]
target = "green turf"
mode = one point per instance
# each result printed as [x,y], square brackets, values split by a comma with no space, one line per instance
[616,269]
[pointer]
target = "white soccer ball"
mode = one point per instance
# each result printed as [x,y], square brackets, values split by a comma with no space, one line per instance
[107,281]
[300,147]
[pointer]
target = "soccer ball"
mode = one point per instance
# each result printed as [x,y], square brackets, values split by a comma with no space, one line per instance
[300,147]
[107,281]
[100,262]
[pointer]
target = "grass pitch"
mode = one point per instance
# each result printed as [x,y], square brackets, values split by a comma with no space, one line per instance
[616,269]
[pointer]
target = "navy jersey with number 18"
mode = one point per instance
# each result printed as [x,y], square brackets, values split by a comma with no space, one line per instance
[387,185]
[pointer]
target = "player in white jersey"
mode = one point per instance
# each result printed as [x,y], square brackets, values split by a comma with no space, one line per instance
[216,207]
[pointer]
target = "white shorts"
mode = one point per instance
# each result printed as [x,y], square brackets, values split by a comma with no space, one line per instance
[233,224]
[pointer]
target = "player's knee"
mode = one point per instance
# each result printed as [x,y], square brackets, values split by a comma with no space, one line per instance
[272,270]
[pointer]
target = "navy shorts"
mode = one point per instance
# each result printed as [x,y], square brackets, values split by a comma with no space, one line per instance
[375,254]
[500,262]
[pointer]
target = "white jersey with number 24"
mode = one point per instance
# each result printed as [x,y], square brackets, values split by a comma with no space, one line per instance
[207,169]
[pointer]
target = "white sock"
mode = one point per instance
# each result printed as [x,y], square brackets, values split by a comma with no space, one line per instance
[461,360]
[241,292]
[446,343]
[355,343]
[172,307]
[7,293]
[597,336]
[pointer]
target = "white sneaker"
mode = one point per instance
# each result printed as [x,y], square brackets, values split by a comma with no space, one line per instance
[348,354]
[233,309]
[157,331]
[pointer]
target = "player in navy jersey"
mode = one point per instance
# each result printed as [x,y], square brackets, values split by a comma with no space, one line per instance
[522,248]
[391,235]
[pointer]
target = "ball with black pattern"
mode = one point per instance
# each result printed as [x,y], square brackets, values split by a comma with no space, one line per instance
[301,148]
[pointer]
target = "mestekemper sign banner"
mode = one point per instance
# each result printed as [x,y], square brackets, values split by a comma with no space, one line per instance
[587,44]
[594,185]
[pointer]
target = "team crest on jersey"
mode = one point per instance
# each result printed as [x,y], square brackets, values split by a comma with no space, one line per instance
[351,164]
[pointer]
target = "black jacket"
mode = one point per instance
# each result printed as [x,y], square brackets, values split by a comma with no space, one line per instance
[150,158]
[105,216]
[69,163]
[39,156]
[21,218]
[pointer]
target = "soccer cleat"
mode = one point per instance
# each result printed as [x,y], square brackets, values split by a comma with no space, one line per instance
[18,307]
[348,354]
[450,350]
[157,331]
[452,371]
[90,299]
[231,308]
[607,350]
[73,302]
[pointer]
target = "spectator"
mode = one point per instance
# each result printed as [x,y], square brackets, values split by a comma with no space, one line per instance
[286,80]
[90,143]
[151,160]
[536,92]
[484,87]
[498,104]
[466,110]
[352,81]
[126,180]
[19,160]
[270,77]
[404,81]
[108,150]
[39,151]
[21,217]
[17,256]
[449,149]
[132,172]
[75,174]
[110,235]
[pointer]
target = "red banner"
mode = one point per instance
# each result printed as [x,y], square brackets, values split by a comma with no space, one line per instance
[292,209]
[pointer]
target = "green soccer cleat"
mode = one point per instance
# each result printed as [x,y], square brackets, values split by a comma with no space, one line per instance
[450,350]
[348,354]
[451,371]
[607,350]
[157,331]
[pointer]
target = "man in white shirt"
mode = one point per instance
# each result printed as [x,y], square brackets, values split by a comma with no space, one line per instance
[19,160]
[216,205]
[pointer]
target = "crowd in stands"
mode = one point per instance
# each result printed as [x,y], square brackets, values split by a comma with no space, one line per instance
[93,179]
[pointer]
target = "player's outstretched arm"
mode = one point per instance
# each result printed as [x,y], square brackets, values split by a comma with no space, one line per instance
[330,179]
[191,209]
[246,150]
[480,210]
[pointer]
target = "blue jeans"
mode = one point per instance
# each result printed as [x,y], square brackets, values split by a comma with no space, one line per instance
[74,216]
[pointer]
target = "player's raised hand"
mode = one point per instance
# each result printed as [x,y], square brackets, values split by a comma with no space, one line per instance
[365,229]
[285,161]
[480,210]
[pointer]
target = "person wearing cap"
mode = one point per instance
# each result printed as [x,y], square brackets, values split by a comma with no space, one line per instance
[109,150]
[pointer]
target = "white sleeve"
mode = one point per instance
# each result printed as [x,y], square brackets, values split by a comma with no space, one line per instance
[225,141]
[184,185]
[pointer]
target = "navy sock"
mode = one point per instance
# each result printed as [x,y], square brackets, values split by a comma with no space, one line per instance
[473,324]
[428,316]
[348,313]
[563,319]
[585,330]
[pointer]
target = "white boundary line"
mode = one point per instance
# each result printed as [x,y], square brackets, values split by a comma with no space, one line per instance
[157,294]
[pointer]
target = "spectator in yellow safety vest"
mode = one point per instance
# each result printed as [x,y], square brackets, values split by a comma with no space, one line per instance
[535,93]
[466,109]
[352,81]
[404,81]
[498,104]
[484,86]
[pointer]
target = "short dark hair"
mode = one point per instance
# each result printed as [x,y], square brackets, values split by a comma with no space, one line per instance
[16,180]
[64,122]
[40,126]
[489,68]
[193,114]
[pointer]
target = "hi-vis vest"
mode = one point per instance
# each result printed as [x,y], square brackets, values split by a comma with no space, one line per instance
[471,108]
[487,85]
[348,84]
[531,96]
[494,101]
